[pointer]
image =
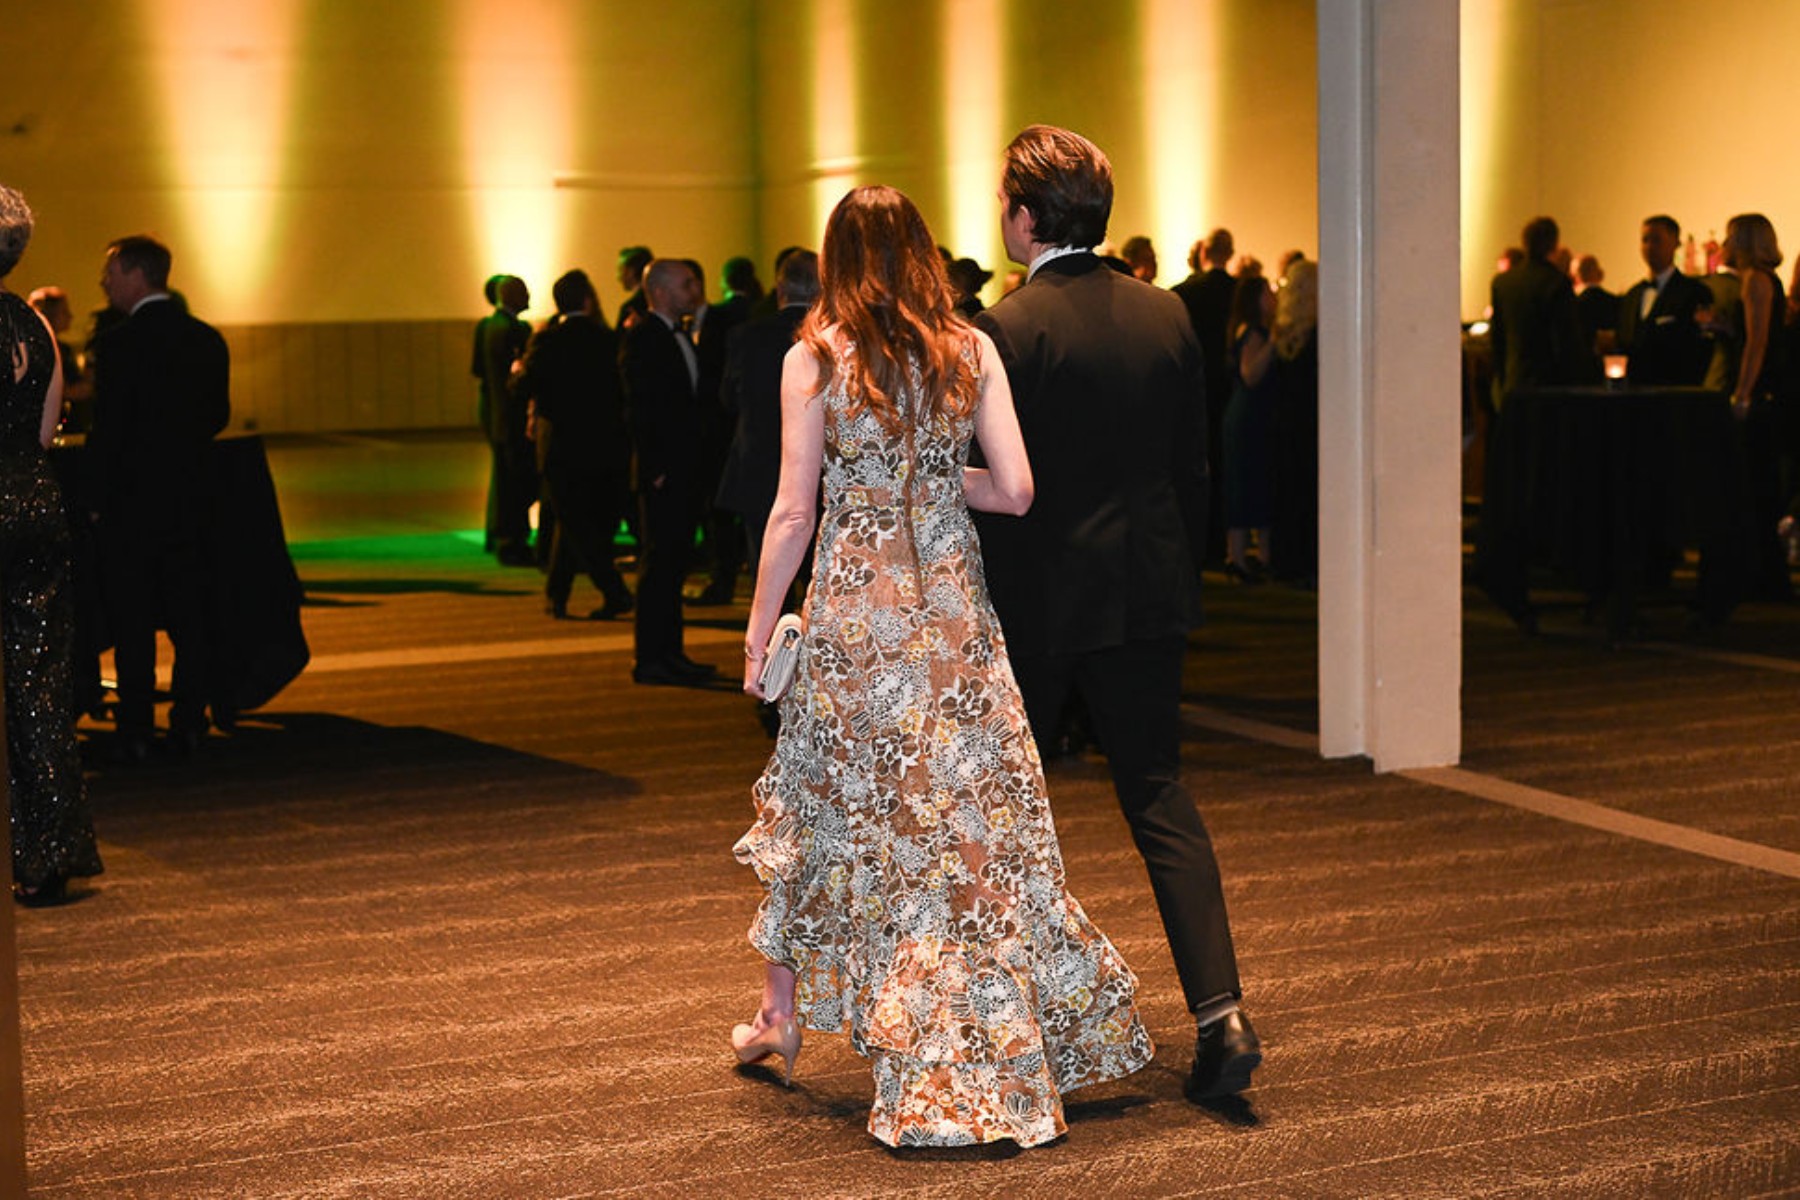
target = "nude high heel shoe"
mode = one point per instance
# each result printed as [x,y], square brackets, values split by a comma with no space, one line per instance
[783,1039]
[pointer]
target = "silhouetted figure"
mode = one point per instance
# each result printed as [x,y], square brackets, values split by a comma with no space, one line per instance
[52,834]
[161,393]
[571,378]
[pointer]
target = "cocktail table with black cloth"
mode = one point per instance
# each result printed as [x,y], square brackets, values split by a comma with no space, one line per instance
[253,593]
[1603,485]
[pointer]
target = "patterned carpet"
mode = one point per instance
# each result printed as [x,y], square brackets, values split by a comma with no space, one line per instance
[456,916]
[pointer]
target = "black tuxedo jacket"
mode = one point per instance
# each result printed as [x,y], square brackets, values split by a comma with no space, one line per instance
[1208,301]
[162,390]
[1107,378]
[1535,333]
[572,374]
[660,404]
[752,394]
[500,337]
[1667,346]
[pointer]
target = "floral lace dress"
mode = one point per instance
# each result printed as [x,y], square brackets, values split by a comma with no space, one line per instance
[903,831]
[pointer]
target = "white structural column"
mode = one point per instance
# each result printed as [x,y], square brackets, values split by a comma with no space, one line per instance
[1390,542]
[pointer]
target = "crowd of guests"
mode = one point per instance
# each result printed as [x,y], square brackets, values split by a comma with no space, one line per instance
[666,420]
[1719,319]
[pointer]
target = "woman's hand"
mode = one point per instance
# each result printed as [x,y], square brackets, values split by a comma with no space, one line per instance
[753,665]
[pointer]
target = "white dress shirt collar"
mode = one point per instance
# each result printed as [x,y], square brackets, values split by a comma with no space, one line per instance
[1053,252]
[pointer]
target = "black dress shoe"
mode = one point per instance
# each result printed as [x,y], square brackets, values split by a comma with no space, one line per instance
[1225,1053]
[664,673]
[557,609]
[613,608]
[692,669]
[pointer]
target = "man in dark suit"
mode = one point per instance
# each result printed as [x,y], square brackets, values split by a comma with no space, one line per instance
[500,339]
[661,373]
[161,393]
[712,326]
[1596,309]
[632,261]
[571,380]
[1095,587]
[1659,324]
[1534,331]
[752,395]
[1207,295]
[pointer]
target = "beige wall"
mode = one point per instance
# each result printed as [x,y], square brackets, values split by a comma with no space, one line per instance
[341,163]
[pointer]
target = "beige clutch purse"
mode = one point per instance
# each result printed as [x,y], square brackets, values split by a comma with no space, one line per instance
[781,658]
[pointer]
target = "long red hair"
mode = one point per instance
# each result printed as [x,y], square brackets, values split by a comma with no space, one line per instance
[884,288]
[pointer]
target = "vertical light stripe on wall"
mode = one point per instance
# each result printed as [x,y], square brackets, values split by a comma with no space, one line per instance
[1180,97]
[516,95]
[835,151]
[223,72]
[975,64]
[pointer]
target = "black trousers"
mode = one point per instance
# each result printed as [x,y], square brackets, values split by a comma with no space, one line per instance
[666,533]
[1133,696]
[588,504]
[153,579]
[512,489]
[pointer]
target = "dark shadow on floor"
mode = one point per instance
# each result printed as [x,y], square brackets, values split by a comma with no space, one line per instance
[318,588]
[312,759]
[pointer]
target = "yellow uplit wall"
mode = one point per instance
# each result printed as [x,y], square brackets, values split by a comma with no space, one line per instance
[342,163]
[1602,113]
[336,161]
[1206,108]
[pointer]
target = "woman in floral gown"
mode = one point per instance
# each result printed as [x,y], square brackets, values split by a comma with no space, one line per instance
[915,889]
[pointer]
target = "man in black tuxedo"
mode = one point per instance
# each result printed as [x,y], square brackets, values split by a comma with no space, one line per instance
[1095,586]
[661,373]
[161,393]
[1534,331]
[1207,295]
[1659,325]
[500,339]
[632,261]
[1537,342]
[752,395]
[571,381]
[712,326]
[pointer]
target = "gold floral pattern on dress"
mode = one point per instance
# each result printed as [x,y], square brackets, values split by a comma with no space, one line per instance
[903,831]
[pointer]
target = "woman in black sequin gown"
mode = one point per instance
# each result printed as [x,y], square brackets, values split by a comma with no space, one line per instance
[52,834]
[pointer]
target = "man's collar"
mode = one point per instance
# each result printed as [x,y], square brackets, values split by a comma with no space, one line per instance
[1661,280]
[1052,254]
[150,299]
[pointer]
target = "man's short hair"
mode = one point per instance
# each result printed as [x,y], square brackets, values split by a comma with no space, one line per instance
[1064,181]
[739,274]
[16,223]
[571,291]
[1220,246]
[145,255]
[798,280]
[491,289]
[1541,236]
[1666,222]
[635,257]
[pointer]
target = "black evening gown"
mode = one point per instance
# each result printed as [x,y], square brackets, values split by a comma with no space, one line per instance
[52,834]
